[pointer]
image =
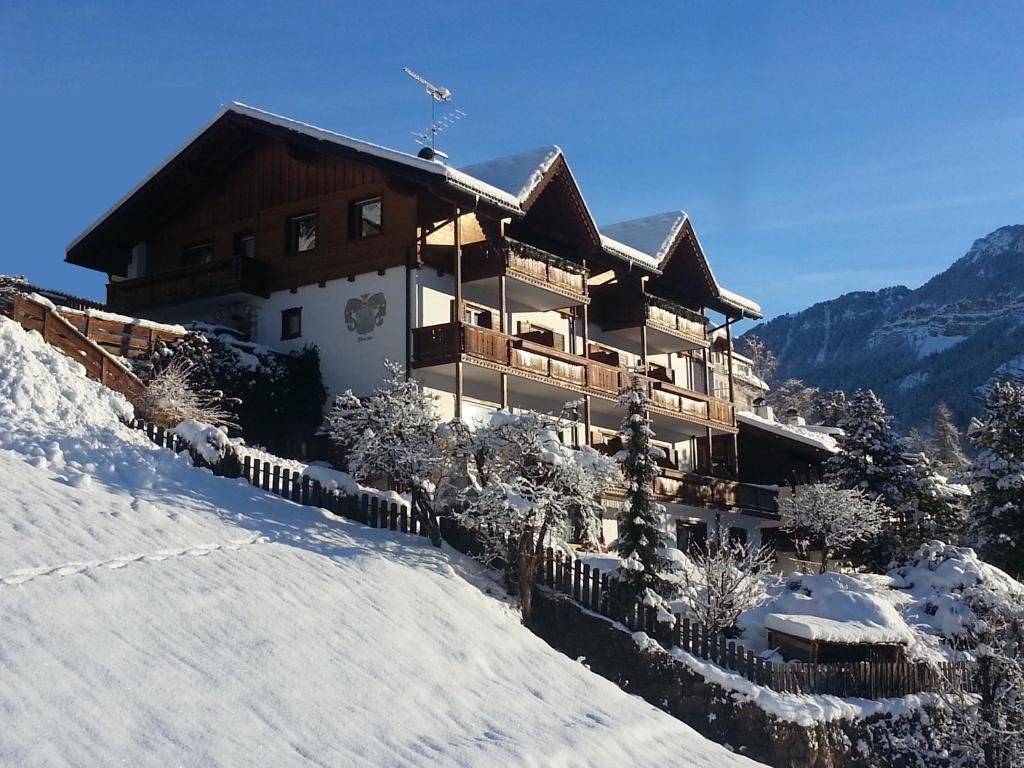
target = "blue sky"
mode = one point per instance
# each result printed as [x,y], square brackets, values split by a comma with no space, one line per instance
[819,148]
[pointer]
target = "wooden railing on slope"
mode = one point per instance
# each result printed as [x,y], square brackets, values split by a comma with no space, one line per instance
[99,364]
[119,338]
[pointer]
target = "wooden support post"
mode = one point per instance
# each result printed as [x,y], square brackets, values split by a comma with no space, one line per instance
[734,460]
[643,346]
[503,328]
[728,351]
[457,223]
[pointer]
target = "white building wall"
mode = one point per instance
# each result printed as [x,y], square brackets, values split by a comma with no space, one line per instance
[356,325]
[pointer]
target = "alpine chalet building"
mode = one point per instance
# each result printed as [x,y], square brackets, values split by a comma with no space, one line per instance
[492,283]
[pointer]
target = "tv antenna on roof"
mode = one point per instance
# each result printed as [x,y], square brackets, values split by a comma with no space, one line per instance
[436,93]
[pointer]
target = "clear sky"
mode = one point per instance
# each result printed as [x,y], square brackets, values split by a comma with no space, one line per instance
[818,147]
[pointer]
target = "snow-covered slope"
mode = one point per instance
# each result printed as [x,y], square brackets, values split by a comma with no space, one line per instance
[942,341]
[155,615]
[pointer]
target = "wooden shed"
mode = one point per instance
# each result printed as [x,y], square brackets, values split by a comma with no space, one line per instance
[825,641]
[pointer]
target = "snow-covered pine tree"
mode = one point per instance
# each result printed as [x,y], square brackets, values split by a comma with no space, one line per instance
[997,504]
[393,435]
[872,460]
[945,444]
[638,536]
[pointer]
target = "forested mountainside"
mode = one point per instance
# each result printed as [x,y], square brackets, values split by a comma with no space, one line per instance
[945,341]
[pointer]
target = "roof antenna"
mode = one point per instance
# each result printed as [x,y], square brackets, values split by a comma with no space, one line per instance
[437,126]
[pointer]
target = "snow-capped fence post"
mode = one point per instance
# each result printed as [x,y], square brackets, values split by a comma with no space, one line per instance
[585,585]
[275,485]
[403,520]
[246,467]
[595,590]
[549,567]
[393,517]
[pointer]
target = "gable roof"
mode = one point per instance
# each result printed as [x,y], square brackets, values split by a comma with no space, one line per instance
[511,184]
[518,175]
[654,236]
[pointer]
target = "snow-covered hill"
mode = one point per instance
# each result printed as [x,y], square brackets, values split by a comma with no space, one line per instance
[155,615]
[943,341]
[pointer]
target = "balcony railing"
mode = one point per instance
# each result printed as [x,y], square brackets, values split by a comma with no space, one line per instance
[616,309]
[216,278]
[439,344]
[675,318]
[524,262]
[703,490]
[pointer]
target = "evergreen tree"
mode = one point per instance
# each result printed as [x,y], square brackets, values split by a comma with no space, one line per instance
[945,445]
[639,538]
[872,460]
[997,505]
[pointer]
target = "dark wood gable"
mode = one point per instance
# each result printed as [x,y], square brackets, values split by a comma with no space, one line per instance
[557,218]
[686,277]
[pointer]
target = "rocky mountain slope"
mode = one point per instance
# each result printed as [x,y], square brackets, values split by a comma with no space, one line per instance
[943,341]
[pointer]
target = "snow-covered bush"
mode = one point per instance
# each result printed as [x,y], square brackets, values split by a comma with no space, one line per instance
[534,492]
[172,396]
[205,441]
[638,534]
[720,580]
[997,508]
[394,435]
[830,520]
[275,399]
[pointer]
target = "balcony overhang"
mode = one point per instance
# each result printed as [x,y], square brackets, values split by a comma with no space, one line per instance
[535,279]
[218,280]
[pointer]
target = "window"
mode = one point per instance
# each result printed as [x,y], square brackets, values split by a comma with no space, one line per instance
[302,233]
[474,315]
[291,323]
[245,245]
[366,218]
[197,254]
[691,535]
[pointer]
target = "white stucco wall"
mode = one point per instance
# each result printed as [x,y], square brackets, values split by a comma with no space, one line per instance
[352,353]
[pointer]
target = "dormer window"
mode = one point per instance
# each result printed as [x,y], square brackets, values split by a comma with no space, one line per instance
[302,233]
[195,255]
[366,218]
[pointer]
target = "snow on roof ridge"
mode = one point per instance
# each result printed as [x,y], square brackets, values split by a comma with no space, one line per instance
[517,174]
[740,302]
[620,249]
[652,235]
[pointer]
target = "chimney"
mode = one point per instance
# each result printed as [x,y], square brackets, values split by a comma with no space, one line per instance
[794,419]
[762,409]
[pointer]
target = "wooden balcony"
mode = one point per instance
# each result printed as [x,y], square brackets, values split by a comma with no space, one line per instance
[217,278]
[670,327]
[528,265]
[452,342]
[702,490]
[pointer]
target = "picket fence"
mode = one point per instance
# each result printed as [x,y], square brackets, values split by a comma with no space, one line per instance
[598,592]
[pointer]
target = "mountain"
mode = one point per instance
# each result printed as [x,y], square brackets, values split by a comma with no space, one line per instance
[945,341]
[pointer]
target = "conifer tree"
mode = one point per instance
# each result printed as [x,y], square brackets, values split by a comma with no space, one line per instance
[638,538]
[872,460]
[945,445]
[997,505]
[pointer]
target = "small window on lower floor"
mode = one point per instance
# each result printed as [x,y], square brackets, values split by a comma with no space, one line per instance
[245,245]
[291,323]
[195,255]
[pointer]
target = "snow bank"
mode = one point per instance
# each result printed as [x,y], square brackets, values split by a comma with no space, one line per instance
[158,615]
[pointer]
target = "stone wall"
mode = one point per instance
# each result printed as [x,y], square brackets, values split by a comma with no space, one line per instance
[609,650]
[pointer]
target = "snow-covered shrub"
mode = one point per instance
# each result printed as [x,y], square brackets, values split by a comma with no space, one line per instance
[394,435]
[172,396]
[830,520]
[276,399]
[534,492]
[997,508]
[720,580]
[205,441]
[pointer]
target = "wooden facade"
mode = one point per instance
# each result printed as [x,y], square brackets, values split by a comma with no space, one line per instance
[245,177]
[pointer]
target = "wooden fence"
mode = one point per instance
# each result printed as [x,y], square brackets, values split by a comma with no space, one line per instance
[599,592]
[602,594]
[99,364]
[119,338]
[367,508]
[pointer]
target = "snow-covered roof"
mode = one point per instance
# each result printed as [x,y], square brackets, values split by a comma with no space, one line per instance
[518,175]
[832,631]
[739,302]
[653,236]
[812,437]
[622,251]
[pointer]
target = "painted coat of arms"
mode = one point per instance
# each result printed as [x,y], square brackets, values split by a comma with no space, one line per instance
[366,312]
